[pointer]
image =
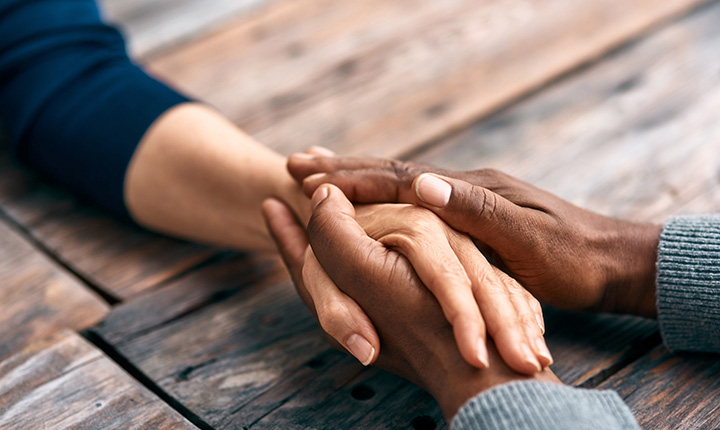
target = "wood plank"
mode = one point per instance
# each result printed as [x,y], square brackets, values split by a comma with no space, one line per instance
[218,358]
[66,383]
[113,254]
[380,77]
[671,391]
[635,136]
[158,24]
[37,296]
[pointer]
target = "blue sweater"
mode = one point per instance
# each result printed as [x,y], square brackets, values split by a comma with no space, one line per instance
[73,104]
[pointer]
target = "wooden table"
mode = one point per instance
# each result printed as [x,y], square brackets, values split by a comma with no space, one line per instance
[612,104]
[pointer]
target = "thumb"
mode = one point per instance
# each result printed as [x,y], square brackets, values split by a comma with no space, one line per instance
[475,210]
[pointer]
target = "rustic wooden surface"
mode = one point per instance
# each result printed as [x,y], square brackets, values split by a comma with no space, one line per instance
[382,77]
[611,104]
[65,383]
[37,297]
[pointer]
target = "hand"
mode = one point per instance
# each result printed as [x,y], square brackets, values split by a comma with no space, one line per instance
[472,293]
[566,256]
[415,334]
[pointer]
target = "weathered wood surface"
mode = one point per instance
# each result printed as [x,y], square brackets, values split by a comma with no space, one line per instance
[159,24]
[635,136]
[66,383]
[37,296]
[383,77]
[114,255]
[671,391]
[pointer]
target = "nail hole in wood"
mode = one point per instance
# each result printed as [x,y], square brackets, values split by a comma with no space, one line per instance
[362,392]
[424,422]
[316,363]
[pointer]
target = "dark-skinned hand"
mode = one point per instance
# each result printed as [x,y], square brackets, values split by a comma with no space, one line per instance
[416,337]
[566,256]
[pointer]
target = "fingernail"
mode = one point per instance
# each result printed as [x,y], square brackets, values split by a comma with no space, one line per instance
[319,150]
[483,353]
[540,322]
[433,190]
[530,357]
[315,176]
[360,348]
[320,195]
[544,351]
[302,156]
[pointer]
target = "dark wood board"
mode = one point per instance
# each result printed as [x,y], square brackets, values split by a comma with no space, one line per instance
[671,391]
[37,296]
[65,383]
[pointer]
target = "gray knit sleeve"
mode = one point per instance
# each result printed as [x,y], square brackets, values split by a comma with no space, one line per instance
[544,406]
[688,284]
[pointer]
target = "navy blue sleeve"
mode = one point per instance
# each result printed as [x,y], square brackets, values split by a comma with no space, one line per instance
[73,104]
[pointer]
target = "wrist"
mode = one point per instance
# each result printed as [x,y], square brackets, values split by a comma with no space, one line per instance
[454,382]
[631,283]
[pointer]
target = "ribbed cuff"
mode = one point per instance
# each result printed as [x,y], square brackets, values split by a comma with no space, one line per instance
[688,285]
[540,405]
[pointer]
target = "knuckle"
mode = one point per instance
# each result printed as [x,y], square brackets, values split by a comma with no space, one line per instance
[333,316]
[484,204]
[403,170]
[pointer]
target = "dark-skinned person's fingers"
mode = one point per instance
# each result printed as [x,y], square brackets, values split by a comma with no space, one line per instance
[475,210]
[339,316]
[378,185]
[321,160]
[504,321]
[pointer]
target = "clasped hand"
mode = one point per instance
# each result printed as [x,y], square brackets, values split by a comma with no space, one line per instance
[408,244]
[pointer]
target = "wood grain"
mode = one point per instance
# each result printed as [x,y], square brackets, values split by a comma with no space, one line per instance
[38,297]
[66,383]
[635,136]
[379,77]
[671,391]
[115,254]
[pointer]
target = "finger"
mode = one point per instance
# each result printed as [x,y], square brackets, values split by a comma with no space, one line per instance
[526,309]
[439,268]
[331,228]
[340,317]
[291,241]
[366,185]
[313,161]
[475,210]
[503,322]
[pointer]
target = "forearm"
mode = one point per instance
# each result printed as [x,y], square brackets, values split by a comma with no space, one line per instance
[197,176]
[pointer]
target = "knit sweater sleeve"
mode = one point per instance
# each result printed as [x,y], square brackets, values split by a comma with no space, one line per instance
[688,283]
[544,406]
